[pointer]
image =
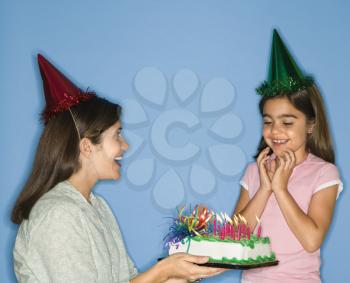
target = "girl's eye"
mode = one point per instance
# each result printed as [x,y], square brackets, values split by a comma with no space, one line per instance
[267,123]
[287,124]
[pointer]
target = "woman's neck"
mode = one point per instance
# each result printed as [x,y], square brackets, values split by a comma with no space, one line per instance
[83,183]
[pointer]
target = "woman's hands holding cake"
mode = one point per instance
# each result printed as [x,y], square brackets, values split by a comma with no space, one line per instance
[178,268]
[186,267]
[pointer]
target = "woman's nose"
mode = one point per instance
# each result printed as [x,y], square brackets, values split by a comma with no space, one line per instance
[125,145]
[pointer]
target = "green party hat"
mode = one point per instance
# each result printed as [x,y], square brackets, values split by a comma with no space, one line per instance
[284,74]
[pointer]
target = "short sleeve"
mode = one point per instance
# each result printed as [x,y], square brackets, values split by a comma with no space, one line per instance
[328,176]
[248,176]
[59,250]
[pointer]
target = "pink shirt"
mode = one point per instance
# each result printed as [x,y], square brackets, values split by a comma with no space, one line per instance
[295,264]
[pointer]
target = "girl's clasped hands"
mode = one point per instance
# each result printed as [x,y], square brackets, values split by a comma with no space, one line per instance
[275,171]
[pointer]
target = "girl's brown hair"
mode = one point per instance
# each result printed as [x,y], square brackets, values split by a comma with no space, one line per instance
[310,103]
[57,155]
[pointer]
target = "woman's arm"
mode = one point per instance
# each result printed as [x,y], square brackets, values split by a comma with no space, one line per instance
[178,266]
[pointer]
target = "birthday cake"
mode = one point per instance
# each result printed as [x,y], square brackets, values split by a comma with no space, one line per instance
[222,239]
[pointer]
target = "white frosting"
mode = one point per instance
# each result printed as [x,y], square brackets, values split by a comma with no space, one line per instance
[220,249]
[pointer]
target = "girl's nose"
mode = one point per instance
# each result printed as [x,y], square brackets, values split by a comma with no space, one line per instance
[275,128]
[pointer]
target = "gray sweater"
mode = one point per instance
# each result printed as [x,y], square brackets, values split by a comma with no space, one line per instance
[67,239]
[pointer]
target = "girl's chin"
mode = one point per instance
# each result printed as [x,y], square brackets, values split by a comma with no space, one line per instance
[279,151]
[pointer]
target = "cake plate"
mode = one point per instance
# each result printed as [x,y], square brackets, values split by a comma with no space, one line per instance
[237,266]
[240,266]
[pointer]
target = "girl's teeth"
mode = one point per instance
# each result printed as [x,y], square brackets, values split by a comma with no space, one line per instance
[279,141]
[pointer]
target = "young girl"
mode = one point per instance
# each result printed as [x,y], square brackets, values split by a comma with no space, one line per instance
[293,185]
[66,233]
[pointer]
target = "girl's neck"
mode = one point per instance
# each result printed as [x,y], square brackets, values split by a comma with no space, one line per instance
[301,156]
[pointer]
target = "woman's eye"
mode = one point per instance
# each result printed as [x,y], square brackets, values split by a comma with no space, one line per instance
[267,123]
[119,135]
[287,124]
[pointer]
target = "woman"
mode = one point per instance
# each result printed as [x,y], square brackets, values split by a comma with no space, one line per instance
[66,233]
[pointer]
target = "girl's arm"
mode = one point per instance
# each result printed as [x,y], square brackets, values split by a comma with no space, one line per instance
[311,228]
[250,208]
[180,267]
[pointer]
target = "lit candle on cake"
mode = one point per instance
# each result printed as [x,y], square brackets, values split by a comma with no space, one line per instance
[259,227]
[243,225]
[229,223]
[248,233]
[233,232]
[219,228]
[214,228]
[235,219]
[223,231]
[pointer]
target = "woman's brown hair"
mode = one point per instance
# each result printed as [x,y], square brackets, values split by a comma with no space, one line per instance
[57,155]
[310,103]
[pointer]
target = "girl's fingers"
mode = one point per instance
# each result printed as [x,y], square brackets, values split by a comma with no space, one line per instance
[293,157]
[273,166]
[263,154]
[280,163]
[263,167]
[290,157]
[286,159]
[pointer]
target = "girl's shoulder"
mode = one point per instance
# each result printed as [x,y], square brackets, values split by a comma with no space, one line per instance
[323,174]
[252,168]
[318,166]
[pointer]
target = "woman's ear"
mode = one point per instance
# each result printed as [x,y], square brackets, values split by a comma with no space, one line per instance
[86,147]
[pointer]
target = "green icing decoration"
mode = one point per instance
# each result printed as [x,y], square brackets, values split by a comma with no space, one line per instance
[244,242]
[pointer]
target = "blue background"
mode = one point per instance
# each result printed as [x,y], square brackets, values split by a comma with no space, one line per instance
[103,45]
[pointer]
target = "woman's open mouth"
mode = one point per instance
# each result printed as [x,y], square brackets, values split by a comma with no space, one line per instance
[117,160]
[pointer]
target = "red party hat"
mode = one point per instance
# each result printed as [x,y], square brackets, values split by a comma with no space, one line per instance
[60,92]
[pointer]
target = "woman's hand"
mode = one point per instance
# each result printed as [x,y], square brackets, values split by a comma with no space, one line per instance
[284,168]
[183,267]
[266,169]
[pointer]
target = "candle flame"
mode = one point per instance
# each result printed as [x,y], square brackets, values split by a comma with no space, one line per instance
[235,219]
[228,219]
[219,218]
[257,219]
[222,215]
[242,219]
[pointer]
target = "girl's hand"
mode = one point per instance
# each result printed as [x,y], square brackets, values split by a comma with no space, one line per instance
[184,267]
[265,169]
[284,168]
